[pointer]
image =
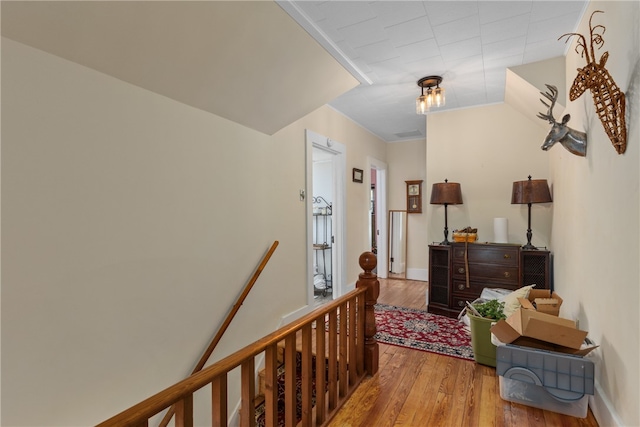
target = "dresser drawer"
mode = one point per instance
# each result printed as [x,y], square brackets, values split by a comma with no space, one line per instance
[461,302]
[488,254]
[487,272]
[474,289]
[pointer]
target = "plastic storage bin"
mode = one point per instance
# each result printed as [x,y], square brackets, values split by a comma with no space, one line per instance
[543,379]
[538,397]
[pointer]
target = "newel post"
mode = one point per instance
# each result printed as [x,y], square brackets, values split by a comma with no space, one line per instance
[369,280]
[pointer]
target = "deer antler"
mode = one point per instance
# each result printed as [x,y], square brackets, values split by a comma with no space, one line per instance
[551,95]
[581,47]
[596,38]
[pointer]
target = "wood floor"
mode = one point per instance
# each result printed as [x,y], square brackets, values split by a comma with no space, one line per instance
[417,388]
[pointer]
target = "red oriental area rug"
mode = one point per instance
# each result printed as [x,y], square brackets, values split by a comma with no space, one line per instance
[420,330]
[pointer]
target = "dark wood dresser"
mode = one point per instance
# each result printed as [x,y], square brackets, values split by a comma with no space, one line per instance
[490,265]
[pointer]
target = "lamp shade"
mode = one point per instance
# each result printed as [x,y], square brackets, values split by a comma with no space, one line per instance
[530,191]
[446,193]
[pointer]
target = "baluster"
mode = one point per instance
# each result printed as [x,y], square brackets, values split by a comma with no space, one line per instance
[360,334]
[290,380]
[369,280]
[184,412]
[333,360]
[307,386]
[248,393]
[321,370]
[342,358]
[271,386]
[353,372]
[219,401]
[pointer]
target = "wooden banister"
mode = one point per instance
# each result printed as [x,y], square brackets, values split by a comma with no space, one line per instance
[235,308]
[225,325]
[349,315]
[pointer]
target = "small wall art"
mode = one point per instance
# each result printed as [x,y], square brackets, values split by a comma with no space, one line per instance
[357,175]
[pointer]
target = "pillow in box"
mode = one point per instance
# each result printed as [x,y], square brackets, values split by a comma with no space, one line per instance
[511,303]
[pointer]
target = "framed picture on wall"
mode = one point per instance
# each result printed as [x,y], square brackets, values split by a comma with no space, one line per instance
[357,175]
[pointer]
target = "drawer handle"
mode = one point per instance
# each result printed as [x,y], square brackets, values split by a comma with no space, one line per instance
[461,304]
[506,274]
[460,287]
[507,256]
[461,270]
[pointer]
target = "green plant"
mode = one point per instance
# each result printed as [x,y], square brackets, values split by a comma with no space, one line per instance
[492,309]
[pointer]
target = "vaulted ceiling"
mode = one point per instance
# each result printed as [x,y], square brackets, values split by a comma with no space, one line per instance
[250,62]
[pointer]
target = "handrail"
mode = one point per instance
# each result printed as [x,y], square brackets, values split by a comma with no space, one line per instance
[227,321]
[351,352]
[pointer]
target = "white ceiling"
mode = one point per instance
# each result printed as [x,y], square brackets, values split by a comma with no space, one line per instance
[390,45]
[249,62]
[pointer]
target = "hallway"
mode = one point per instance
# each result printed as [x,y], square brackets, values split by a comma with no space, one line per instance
[416,388]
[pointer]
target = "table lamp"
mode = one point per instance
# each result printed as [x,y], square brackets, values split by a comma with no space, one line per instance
[446,193]
[528,192]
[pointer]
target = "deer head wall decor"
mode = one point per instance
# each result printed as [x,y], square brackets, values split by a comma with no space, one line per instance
[571,139]
[607,97]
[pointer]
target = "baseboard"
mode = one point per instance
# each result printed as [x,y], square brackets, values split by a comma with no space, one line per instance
[294,315]
[602,409]
[421,274]
[234,419]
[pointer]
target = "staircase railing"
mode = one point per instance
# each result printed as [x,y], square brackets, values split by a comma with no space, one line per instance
[225,325]
[336,339]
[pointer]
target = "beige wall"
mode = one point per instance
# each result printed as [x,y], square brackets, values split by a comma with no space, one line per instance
[596,221]
[486,149]
[405,161]
[592,227]
[360,144]
[130,224]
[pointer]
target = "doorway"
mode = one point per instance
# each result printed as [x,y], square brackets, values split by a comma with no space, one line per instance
[378,220]
[325,218]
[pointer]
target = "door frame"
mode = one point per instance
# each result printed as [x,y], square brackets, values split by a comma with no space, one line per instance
[338,214]
[382,217]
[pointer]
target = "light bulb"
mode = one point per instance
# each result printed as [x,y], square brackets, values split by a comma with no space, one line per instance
[421,105]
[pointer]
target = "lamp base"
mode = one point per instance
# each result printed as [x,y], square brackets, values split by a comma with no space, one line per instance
[446,229]
[529,246]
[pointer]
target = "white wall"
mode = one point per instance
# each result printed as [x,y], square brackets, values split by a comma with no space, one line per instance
[130,224]
[596,221]
[360,145]
[486,149]
[406,163]
[593,225]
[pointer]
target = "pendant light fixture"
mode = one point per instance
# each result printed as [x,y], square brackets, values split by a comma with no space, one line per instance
[434,96]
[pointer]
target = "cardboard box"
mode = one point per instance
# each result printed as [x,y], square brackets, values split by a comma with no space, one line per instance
[542,300]
[531,328]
